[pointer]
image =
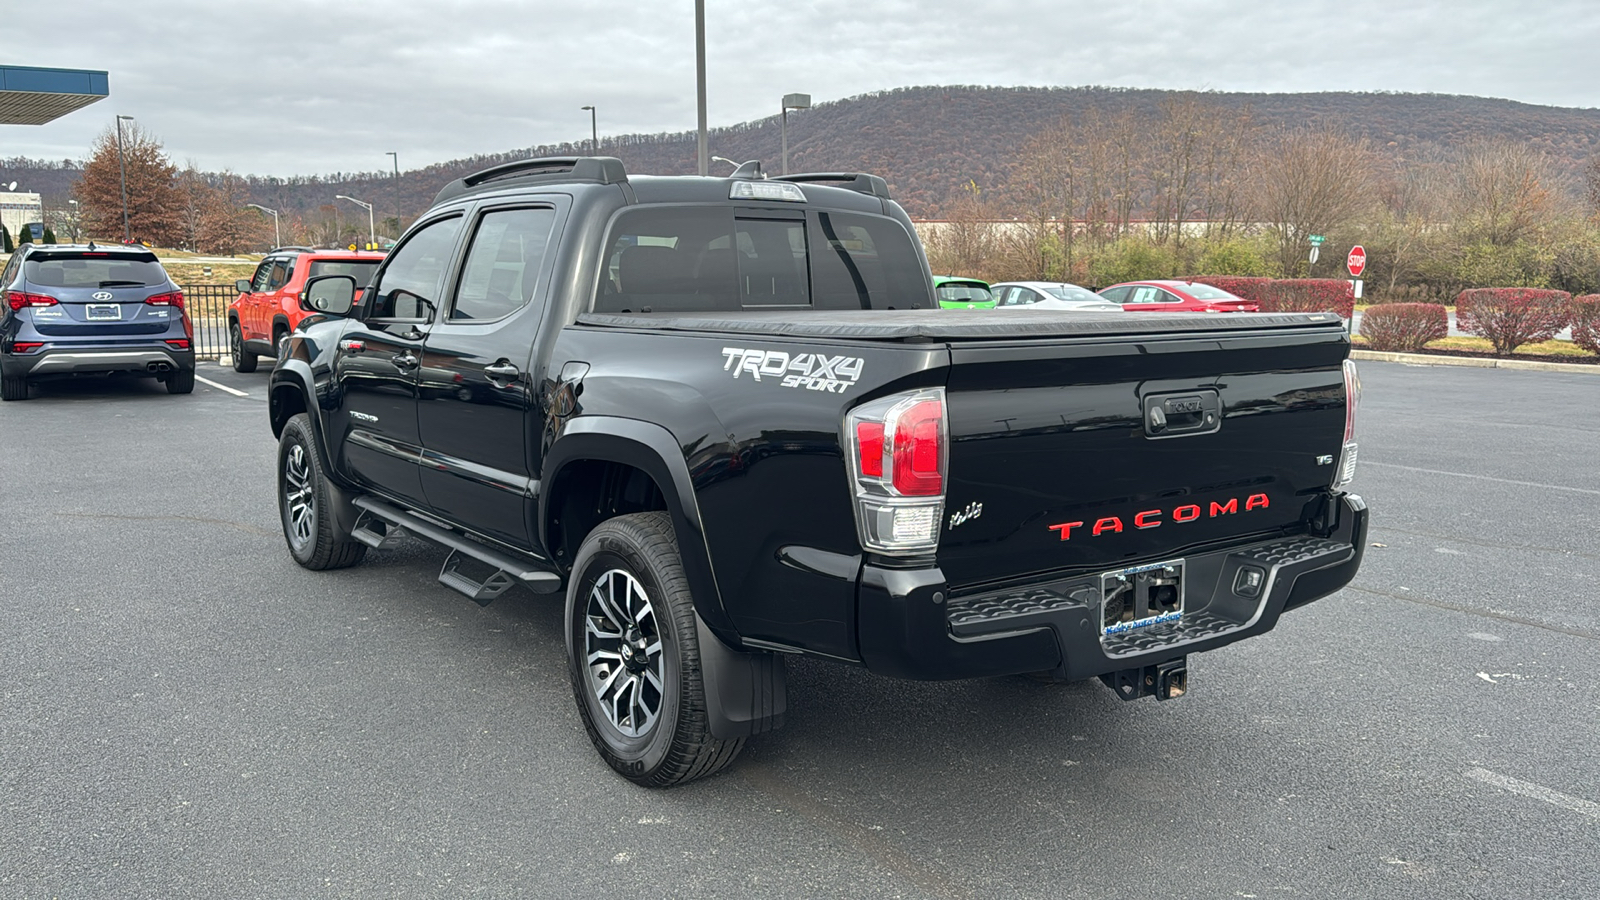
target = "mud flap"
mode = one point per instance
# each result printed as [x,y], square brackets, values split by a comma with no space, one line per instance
[746,693]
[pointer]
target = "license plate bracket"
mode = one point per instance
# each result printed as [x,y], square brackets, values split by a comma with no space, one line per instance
[1141,596]
[103,312]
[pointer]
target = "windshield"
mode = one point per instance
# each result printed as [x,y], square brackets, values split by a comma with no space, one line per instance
[360,271]
[1206,292]
[87,270]
[1073,292]
[963,293]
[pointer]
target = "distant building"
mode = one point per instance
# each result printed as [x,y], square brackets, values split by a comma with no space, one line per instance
[18,209]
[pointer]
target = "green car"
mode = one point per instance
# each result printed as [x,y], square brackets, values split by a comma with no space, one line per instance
[962,293]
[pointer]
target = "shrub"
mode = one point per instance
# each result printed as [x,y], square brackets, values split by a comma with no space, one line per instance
[1511,317]
[1233,256]
[1404,326]
[1131,259]
[1333,295]
[1584,316]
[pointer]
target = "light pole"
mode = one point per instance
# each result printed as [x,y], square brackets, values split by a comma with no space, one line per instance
[396,157]
[372,229]
[726,160]
[74,220]
[700,80]
[127,232]
[277,241]
[594,133]
[791,101]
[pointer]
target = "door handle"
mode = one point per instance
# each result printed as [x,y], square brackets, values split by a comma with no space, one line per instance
[404,360]
[502,370]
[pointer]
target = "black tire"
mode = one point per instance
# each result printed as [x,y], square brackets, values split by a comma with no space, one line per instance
[181,382]
[675,745]
[13,387]
[243,360]
[280,342]
[305,506]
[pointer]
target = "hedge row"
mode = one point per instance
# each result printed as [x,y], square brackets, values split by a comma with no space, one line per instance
[1333,295]
[1404,327]
[1511,317]
[1585,321]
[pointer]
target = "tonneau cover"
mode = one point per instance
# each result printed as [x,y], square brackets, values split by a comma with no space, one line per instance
[946,325]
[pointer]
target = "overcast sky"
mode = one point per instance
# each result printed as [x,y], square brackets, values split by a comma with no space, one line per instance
[290,87]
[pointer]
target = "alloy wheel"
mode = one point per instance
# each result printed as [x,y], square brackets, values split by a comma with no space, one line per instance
[623,652]
[299,500]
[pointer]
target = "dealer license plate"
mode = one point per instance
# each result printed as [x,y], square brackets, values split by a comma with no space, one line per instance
[103,312]
[1141,596]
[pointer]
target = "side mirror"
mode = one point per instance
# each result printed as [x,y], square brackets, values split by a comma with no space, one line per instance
[242,285]
[332,295]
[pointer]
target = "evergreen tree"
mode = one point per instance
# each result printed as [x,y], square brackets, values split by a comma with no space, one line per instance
[49,236]
[5,240]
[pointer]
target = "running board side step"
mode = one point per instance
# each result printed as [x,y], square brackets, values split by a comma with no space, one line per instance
[508,570]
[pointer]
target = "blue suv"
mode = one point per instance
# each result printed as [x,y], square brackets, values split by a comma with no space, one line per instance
[74,310]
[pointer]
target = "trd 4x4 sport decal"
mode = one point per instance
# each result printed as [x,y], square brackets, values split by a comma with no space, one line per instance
[812,371]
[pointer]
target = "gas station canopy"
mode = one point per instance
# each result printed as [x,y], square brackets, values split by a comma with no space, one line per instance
[34,96]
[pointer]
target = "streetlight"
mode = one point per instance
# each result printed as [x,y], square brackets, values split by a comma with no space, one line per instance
[127,233]
[700,80]
[726,160]
[791,101]
[372,230]
[396,157]
[74,220]
[594,132]
[276,240]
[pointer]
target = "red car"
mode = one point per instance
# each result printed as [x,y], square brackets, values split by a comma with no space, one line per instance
[268,307]
[1176,296]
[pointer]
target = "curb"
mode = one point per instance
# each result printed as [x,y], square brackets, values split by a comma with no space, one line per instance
[1428,359]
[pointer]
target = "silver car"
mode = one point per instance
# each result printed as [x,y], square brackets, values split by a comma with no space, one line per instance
[1053,295]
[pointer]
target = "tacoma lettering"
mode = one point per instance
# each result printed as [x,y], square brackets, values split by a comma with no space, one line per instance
[1151,518]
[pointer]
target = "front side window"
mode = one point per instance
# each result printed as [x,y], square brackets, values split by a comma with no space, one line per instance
[408,286]
[503,263]
[279,274]
[258,282]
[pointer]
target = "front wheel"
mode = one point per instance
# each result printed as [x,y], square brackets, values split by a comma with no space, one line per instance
[305,505]
[243,360]
[634,655]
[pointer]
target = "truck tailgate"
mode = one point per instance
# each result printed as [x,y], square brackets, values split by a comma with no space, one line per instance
[1106,453]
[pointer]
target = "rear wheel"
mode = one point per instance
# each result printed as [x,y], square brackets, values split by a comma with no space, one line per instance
[181,382]
[13,387]
[634,655]
[243,360]
[304,505]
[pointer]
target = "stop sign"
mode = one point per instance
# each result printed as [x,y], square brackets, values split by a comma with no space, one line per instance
[1356,261]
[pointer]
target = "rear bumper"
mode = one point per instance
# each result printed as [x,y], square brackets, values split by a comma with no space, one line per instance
[73,360]
[910,626]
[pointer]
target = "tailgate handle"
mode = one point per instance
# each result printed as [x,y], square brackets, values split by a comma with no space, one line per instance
[1182,415]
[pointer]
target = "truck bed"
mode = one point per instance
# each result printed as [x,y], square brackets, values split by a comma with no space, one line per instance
[947,325]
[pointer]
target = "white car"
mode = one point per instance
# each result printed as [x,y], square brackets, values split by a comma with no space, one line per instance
[1053,295]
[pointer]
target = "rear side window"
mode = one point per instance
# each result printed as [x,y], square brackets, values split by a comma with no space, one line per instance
[94,272]
[503,263]
[711,258]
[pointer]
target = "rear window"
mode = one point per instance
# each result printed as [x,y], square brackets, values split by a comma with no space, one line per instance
[360,271]
[82,271]
[1072,292]
[718,258]
[1206,292]
[962,293]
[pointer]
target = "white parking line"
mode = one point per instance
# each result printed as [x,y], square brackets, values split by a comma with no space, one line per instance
[1538,484]
[1536,791]
[221,387]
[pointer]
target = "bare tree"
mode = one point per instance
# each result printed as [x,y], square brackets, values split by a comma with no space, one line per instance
[1310,180]
[1503,192]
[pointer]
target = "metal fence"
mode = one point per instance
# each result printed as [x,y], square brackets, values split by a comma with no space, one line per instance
[208,313]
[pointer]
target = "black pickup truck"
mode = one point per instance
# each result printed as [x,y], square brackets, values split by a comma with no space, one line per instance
[724,419]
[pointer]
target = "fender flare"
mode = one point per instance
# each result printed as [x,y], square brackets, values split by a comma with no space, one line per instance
[653,449]
[295,375]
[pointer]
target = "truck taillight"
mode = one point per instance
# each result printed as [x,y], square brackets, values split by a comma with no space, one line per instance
[898,455]
[1352,400]
[17,300]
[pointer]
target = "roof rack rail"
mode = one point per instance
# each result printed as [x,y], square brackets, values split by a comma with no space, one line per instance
[290,247]
[855,181]
[595,169]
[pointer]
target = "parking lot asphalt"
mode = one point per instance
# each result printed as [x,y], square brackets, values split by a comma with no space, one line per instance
[184,712]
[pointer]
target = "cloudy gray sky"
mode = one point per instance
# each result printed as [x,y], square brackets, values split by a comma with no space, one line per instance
[293,87]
